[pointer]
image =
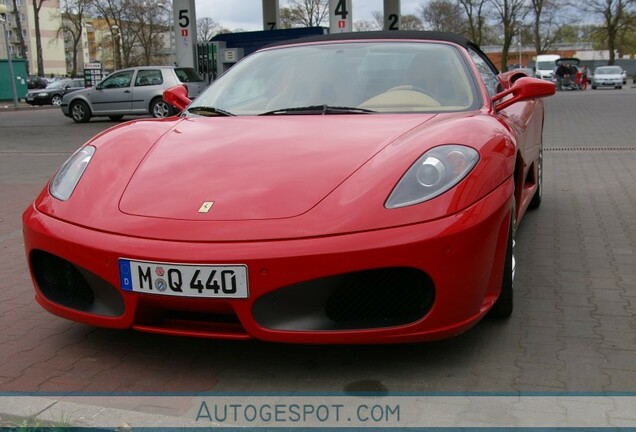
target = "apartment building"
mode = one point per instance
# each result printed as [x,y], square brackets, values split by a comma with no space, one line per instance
[52,45]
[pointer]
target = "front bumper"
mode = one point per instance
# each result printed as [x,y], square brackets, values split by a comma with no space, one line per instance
[65,109]
[461,255]
[34,99]
[607,83]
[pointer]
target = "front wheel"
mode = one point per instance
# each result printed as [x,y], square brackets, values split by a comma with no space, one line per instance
[80,113]
[161,109]
[56,100]
[504,305]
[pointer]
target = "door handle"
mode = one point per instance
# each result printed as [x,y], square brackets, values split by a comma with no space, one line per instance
[126,91]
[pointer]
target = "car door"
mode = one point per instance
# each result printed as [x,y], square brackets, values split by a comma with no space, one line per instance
[114,94]
[73,85]
[149,83]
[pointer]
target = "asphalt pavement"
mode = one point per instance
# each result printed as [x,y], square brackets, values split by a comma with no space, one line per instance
[573,328]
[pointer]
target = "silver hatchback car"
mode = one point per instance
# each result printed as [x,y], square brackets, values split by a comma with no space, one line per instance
[133,91]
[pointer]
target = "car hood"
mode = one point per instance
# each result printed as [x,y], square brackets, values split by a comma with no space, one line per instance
[255,168]
[44,90]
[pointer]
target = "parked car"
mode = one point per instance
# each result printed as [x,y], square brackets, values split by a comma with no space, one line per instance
[36,82]
[133,91]
[53,93]
[608,76]
[346,188]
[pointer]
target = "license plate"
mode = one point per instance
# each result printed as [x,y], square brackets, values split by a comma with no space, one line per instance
[184,280]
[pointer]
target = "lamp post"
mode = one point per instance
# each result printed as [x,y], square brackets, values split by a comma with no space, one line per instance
[3,20]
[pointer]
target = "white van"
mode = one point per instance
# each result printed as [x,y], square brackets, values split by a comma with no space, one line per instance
[545,65]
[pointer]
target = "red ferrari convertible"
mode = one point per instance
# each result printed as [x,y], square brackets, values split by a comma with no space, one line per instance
[350,188]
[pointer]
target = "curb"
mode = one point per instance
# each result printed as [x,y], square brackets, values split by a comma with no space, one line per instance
[45,411]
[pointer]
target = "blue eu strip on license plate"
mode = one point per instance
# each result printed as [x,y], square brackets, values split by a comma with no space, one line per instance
[184,280]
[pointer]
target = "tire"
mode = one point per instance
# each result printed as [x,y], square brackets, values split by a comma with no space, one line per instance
[116,117]
[504,304]
[80,113]
[538,194]
[619,87]
[593,87]
[161,109]
[56,100]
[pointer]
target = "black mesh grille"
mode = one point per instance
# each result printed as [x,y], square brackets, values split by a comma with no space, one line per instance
[390,296]
[60,281]
[365,299]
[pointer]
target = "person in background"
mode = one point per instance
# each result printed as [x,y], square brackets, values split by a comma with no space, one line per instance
[561,72]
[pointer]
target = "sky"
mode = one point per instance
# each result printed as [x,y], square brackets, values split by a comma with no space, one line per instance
[247,14]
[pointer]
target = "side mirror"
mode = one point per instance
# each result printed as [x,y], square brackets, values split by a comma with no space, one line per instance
[523,89]
[177,96]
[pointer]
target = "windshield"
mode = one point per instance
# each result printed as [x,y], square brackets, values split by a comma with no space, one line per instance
[334,78]
[186,75]
[609,70]
[546,65]
[57,84]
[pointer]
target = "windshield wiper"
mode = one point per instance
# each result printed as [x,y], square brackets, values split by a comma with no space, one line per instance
[209,111]
[319,109]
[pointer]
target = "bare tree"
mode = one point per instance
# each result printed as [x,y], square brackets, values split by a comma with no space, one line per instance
[510,14]
[116,13]
[72,23]
[18,23]
[365,25]
[411,22]
[442,15]
[615,16]
[407,22]
[304,13]
[37,7]
[548,19]
[378,19]
[149,21]
[207,28]
[475,11]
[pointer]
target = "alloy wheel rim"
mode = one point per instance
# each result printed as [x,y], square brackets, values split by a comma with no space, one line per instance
[78,112]
[161,110]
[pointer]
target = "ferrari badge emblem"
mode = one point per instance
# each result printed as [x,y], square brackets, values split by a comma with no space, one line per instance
[206,206]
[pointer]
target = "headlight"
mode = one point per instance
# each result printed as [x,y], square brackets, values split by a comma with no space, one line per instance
[65,180]
[435,172]
[43,94]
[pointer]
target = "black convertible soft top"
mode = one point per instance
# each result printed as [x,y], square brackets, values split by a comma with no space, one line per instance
[390,35]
